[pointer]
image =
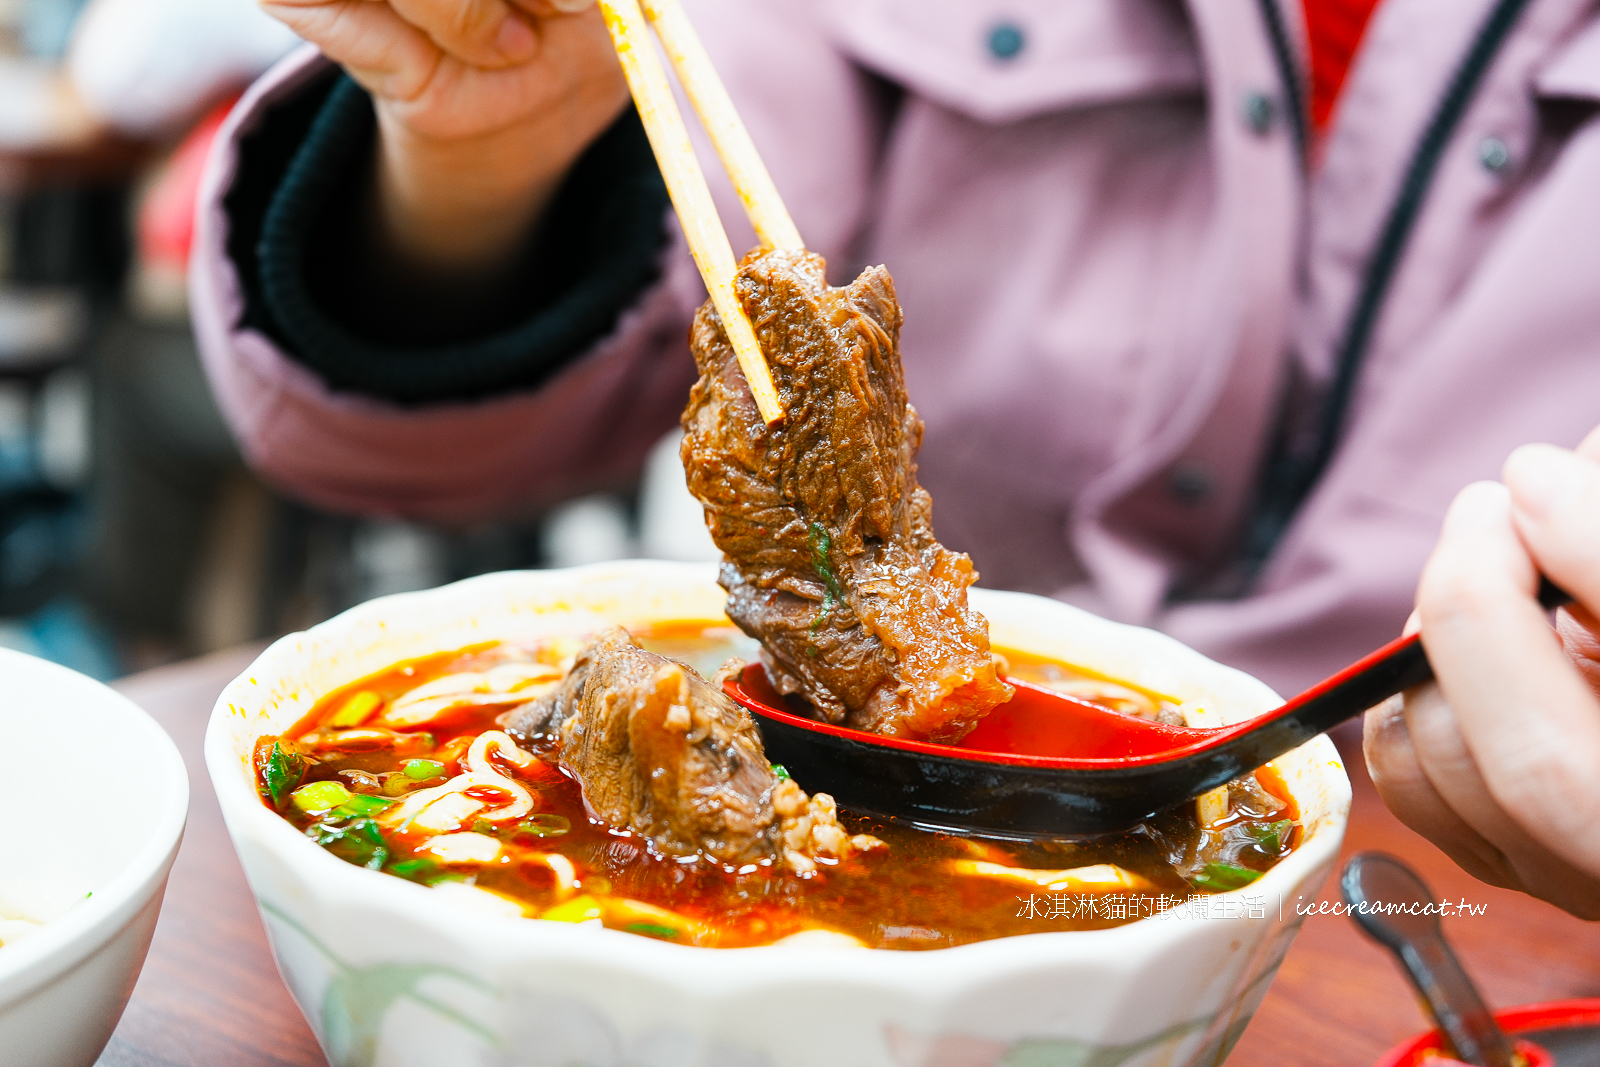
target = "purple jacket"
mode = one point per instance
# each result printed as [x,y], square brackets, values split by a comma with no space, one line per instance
[1114,271]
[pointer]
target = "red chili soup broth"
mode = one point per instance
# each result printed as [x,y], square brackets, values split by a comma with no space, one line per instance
[917,893]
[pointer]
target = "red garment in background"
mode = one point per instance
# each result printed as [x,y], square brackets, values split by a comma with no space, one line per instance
[1334,28]
[166,216]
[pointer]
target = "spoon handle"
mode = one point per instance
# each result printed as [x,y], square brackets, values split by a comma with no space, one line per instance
[1393,906]
[1392,669]
[1368,682]
[1462,1016]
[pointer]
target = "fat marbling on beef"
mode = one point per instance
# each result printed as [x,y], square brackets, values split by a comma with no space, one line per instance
[829,555]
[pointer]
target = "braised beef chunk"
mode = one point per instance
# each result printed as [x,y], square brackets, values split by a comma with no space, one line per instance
[540,720]
[829,555]
[665,754]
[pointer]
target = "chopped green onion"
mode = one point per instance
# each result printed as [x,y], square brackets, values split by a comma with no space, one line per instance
[283,773]
[361,804]
[780,770]
[1272,836]
[1223,877]
[821,546]
[358,841]
[415,869]
[542,825]
[357,710]
[483,826]
[651,929]
[320,796]
[448,876]
[420,770]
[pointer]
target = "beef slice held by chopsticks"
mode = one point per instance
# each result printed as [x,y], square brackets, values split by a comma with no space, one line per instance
[829,555]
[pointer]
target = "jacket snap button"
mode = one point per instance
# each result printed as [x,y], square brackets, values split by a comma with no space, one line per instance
[1006,41]
[1258,111]
[1189,484]
[1494,155]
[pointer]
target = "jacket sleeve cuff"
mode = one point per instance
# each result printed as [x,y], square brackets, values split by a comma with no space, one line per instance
[596,251]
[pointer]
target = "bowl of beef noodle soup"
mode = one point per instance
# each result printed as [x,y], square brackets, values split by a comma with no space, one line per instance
[514,820]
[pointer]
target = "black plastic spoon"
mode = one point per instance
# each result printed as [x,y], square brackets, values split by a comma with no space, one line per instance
[1048,765]
[1393,905]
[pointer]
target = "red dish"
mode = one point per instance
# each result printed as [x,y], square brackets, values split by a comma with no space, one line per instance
[1558,1023]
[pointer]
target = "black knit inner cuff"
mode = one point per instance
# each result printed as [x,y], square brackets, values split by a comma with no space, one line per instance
[596,250]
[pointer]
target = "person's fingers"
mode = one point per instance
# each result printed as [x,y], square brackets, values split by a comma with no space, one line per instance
[554,7]
[1555,502]
[1580,636]
[1407,791]
[483,33]
[1528,721]
[1524,861]
[387,55]
[1555,498]
[575,74]
[1458,781]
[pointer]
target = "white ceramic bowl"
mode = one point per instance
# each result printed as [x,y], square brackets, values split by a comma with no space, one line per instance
[93,797]
[392,973]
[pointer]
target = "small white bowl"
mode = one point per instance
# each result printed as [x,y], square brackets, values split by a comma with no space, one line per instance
[392,974]
[93,798]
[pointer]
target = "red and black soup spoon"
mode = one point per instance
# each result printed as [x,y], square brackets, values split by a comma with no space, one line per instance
[1047,765]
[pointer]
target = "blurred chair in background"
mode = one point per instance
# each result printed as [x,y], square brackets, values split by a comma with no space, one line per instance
[178,534]
[62,252]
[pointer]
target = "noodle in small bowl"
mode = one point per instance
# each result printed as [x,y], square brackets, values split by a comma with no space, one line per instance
[391,972]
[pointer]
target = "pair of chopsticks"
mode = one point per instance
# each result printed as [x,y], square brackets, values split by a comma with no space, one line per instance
[686,183]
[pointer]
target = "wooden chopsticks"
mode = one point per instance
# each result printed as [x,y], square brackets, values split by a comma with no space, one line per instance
[728,135]
[686,182]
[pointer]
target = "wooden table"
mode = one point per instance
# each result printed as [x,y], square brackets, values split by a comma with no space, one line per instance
[210,996]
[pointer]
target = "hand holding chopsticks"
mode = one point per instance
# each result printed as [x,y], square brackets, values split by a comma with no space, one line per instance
[686,183]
